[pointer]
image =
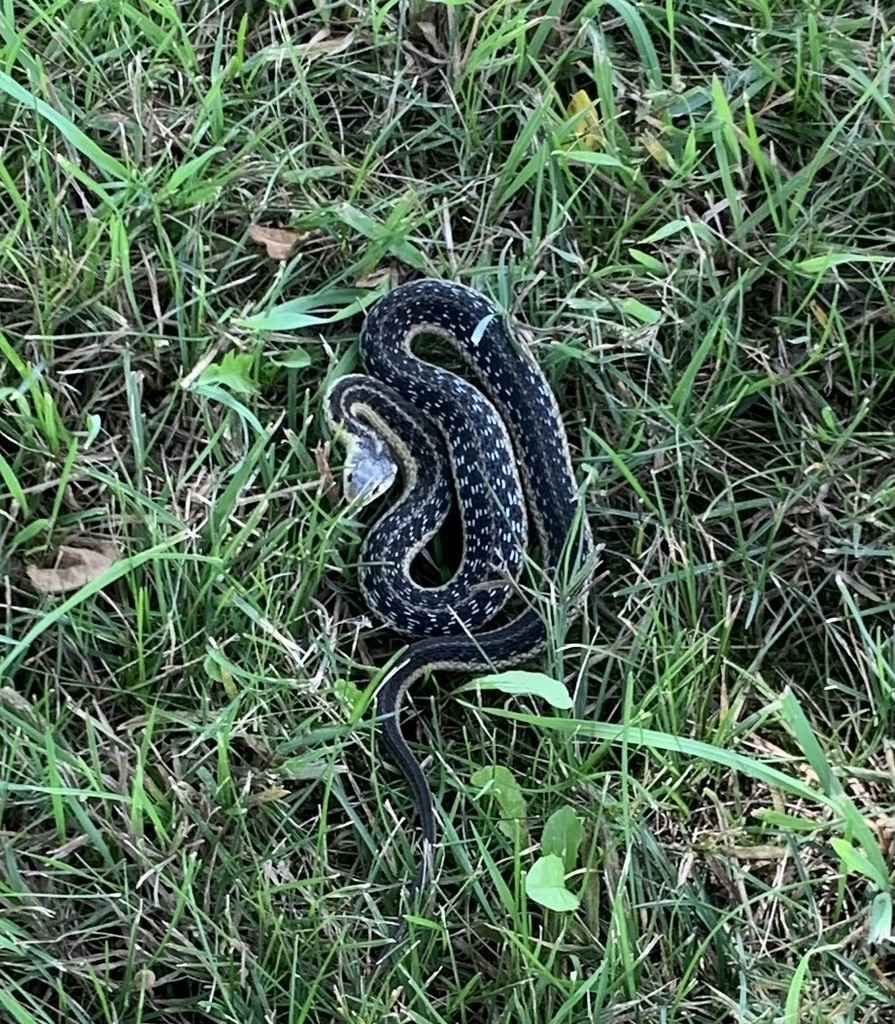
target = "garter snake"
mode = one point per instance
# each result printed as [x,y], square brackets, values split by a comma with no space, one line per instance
[444,435]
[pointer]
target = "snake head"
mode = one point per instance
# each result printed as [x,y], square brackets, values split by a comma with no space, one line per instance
[369,469]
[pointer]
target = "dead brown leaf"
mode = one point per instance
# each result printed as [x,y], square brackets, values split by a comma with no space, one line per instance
[267,796]
[280,243]
[321,45]
[754,853]
[380,276]
[73,568]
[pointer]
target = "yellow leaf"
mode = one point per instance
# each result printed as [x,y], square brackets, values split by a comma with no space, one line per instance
[819,314]
[587,125]
[229,686]
[656,150]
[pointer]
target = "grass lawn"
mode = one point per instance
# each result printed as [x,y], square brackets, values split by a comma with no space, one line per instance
[690,208]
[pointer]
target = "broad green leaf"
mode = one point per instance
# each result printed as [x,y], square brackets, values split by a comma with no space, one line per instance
[390,234]
[645,260]
[635,736]
[329,306]
[545,883]
[640,35]
[534,684]
[855,860]
[296,359]
[94,426]
[499,782]
[233,371]
[562,836]
[347,692]
[796,987]
[880,927]
[641,311]
[18,1014]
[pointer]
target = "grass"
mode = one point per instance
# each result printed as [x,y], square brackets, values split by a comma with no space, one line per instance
[193,822]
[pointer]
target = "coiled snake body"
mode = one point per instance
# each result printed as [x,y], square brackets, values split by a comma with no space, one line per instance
[411,415]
